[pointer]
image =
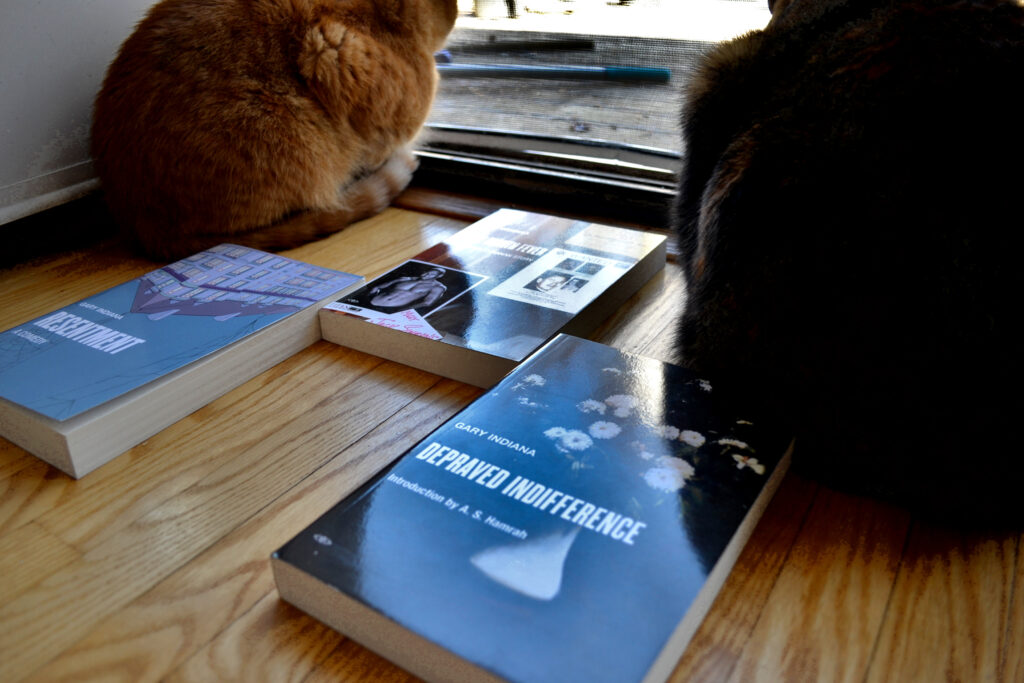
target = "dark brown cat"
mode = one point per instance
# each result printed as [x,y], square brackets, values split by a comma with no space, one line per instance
[265,122]
[850,223]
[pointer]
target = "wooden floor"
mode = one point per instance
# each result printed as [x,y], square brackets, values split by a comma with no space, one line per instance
[155,566]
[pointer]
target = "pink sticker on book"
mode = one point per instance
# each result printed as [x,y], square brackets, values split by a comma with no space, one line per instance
[405,321]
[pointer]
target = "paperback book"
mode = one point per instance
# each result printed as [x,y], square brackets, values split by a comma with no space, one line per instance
[477,304]
[572,524]
[84,383]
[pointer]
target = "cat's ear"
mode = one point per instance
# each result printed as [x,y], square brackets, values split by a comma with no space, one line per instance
[435,18]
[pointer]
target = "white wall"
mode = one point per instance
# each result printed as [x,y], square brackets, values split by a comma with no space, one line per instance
[53,55]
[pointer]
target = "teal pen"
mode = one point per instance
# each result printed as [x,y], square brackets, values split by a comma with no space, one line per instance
[598,73]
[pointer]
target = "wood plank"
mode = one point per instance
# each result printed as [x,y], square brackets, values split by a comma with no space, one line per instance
[472,208]
[150,475]
[718,643]
[948,616]
[20,569]
[353,663]
[279,452]
[166,626]
[12,459]
[79,507]
[30,491]
[288,647]
[31,289]
[820,621]
[463,207]
[379,243]
[1013,644]
[155,566]
[646,324]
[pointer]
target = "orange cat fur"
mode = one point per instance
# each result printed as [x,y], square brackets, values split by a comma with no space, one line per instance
[263,122]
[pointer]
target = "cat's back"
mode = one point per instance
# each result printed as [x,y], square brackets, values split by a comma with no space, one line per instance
[860,78]
[199,102]
[185,51]
[867,141]
[849,224]
[223,62]
[223,117]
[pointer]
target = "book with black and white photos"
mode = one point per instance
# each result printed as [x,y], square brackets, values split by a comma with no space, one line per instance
[90,380]
[475,305]
[574,523]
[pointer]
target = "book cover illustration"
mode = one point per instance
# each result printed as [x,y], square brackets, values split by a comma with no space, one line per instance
[503,285]
[559,527]
[74,359]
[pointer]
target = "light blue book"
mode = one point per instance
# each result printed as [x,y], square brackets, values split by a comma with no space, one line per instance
[59,371]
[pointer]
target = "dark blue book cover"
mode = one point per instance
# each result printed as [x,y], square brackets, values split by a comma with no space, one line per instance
[87,353]
[561,526]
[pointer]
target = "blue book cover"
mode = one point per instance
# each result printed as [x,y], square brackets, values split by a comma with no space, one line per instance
[85,354]
[561,526]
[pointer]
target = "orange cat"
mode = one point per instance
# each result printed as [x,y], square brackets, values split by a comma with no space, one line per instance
[263,122]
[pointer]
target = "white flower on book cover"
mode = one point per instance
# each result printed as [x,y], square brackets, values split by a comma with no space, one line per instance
[670,474]
[622,404]
[641,450]
[591,406]
[526,402]
[608,426]
[666,431]
[666,479]
[684,468]
[604,430]
[692,438]
[746,461]
[555,432]
[575,440]
[530,381]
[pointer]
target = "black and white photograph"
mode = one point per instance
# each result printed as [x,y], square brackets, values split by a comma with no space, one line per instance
[416,285]
[548,282]
[569,264]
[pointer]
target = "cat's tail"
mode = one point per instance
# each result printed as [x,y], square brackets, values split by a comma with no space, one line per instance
[361,199]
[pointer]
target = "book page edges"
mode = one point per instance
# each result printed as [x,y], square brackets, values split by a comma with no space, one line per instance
[467,365]
[366,626]
[598,310]
[675,646]
[37,434]
[449,360]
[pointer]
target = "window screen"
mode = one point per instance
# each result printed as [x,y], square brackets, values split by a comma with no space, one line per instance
[585,93]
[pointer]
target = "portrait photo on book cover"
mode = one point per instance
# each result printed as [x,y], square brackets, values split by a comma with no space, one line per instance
[562,280]
[414,285]
[548,281]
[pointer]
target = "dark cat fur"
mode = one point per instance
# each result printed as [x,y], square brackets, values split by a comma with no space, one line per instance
[263,122]
[849,220]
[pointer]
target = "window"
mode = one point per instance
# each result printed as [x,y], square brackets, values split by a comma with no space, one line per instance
[572,100]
